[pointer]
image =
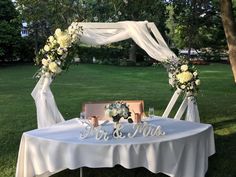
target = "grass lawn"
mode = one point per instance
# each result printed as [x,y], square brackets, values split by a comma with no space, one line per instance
[87,82]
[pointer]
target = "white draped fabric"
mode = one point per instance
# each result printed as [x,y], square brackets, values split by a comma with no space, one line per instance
[99,34]
[138,31]
[192,110]
[47,111]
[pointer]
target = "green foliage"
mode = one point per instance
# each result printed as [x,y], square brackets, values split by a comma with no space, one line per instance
[9,31]
[43,23]
[195,24]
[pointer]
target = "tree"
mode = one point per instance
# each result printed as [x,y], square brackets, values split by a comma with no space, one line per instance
[153,11]
[195,24]
[227,16]
[9,30]
[45,16]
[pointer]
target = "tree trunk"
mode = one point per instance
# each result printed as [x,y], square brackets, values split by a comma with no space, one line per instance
[36,39]
[230,31]
[132,53]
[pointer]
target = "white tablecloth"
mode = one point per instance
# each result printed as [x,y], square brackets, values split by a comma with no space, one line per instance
[182,152]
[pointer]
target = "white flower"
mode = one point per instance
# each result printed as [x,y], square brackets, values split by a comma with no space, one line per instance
[51,39]
[70,29]
[125,114]
[182,86]
[46,48]
[171,79]
[119,13]
[59,51]
[118,105]
[50,58]
[113,112]
[74,37]
[58,62]
[195,73]
[184,67]
[54,42]
[119,111]
[53,67]
[184,77]
[45,62]
[64,40]
[58,32]
[198,82]
[172,82]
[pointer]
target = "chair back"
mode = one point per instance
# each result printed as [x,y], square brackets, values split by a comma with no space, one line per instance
[98,108]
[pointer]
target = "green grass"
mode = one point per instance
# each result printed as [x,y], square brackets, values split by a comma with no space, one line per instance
[87,82]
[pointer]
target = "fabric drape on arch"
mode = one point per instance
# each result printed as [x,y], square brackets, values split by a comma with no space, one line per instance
[100,34]
[106,33]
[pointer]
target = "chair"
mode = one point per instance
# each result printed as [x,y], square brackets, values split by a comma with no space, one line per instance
[98,108]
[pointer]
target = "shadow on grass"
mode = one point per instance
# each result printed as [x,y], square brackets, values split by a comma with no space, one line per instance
[117,171]
[222,164]
[223,124]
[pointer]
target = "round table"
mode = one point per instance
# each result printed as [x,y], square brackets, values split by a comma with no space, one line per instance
[182,152]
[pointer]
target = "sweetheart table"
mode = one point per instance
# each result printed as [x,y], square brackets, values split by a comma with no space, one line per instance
[182,152]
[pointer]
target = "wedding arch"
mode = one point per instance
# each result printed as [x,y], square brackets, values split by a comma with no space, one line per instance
[143,33]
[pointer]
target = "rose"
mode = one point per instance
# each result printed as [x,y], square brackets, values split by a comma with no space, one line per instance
[184,67]
[184,77]
[46,48]
[53,67]
[51,39]
[58,32]
[64,40]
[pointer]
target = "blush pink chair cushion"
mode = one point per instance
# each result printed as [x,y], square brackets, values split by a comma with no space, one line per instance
[98,108]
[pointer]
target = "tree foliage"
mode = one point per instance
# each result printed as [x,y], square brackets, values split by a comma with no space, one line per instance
[9,30]
[195,24]
[45,16]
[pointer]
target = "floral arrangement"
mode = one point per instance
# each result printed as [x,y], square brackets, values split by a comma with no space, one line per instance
[118,110]
[54,56]
[183,76]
